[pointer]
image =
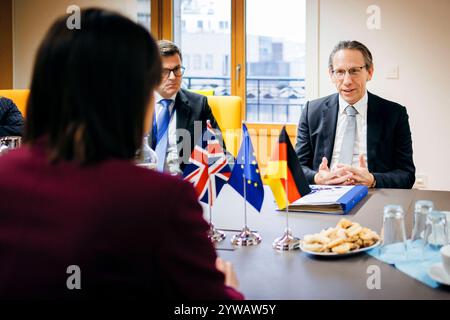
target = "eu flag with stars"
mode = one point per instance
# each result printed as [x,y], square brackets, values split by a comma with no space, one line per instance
[247,166]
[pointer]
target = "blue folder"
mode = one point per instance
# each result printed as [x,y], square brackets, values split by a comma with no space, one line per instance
[343,203]
[352,197]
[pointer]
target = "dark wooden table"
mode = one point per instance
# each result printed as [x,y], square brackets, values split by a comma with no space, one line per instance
[267,274]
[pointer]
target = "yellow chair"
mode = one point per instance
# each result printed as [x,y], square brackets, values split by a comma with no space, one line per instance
[204,92]
[19,97]
[226,109]
[228,112]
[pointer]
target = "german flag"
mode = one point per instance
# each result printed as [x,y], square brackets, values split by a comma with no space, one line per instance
[285,172]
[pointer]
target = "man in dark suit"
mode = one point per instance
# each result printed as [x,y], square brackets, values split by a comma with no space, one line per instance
[365,138]
[11,120]
[185,114]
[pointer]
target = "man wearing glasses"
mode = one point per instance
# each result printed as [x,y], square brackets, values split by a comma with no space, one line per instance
[353,136]
[180,115]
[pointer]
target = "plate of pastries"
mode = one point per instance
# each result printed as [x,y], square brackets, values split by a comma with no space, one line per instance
[346,238]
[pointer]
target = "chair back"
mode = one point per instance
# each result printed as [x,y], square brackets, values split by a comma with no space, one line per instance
[19,97]
[204,92]
[228,112]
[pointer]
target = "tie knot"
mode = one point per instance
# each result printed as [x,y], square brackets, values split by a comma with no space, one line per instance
[351,111]
[165,102]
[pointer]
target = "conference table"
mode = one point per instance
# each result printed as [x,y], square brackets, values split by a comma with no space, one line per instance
[265,273]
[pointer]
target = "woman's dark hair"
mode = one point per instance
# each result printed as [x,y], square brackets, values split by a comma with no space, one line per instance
[91,87]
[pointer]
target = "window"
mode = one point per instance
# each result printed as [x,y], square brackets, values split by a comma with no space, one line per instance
[226,65]
[223,25]
[143,13]
[197,62]
[187,61]
[275,60]
[208,45]
[200,25]
[266,64]
[209,62]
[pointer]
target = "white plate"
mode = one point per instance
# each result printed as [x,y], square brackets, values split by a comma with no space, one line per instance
[333,254]
[438,274]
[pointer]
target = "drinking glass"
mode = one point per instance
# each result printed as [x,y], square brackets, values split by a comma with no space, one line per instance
[421,210]
[9,142]
[436,234]
[146,157]
[394,234]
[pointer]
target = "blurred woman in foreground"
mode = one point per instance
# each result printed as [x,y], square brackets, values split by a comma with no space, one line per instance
[78,219]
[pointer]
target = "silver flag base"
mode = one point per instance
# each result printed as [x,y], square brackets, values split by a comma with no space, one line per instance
[246,238]
[286,242]
[215,235]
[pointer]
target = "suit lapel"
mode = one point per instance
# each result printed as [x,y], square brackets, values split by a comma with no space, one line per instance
[150,133]
[183,110]
[183,114]
[374,126]
[329,121]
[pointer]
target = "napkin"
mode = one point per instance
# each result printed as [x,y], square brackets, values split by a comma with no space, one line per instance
[413,261]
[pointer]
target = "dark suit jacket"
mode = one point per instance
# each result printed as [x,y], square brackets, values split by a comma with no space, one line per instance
[389,145]
[192,112]
[11,120]
[134,233]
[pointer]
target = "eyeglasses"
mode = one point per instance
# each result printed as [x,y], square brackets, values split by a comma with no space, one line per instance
[353,72]
[177,71]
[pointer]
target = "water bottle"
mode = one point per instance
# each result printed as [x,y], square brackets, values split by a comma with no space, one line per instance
[146,157]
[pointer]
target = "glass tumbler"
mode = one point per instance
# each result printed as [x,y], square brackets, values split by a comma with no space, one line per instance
[394,234]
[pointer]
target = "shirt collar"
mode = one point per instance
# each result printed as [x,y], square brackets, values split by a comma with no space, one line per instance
[158,98]
[360,106]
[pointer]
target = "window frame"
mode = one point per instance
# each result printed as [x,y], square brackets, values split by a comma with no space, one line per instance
[162,22]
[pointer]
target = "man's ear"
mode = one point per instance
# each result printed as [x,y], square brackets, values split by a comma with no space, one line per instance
[370,73]
[330,73]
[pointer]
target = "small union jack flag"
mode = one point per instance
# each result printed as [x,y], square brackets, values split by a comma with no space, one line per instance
[208,169]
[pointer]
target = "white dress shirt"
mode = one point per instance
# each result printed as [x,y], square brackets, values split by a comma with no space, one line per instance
[361,131]
[172,164]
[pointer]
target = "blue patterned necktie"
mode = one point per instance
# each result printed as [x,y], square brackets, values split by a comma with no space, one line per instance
[161,132]
[348,143]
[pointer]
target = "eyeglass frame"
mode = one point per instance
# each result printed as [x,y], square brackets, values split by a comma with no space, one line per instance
[351,72]
[169,71]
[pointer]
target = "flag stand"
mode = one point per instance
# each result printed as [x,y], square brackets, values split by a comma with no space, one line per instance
[287,241]
[246,237]
[213,234]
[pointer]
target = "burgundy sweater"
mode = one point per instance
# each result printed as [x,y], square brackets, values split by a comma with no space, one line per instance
[133,233]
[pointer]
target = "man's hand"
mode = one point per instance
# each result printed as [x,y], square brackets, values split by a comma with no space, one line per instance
[361,174]
[340,176]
